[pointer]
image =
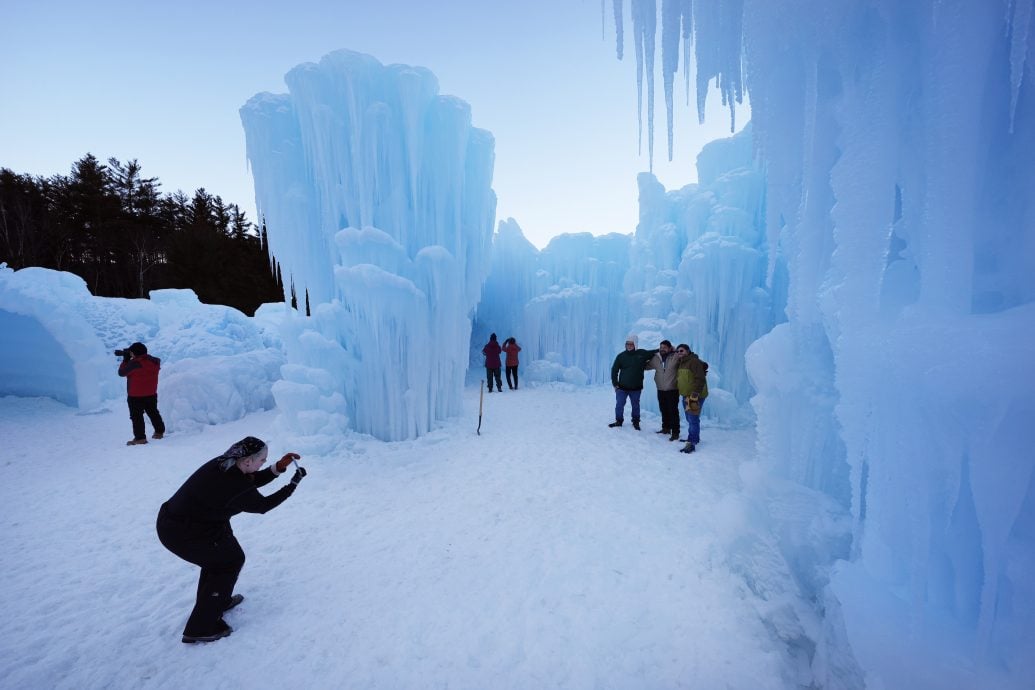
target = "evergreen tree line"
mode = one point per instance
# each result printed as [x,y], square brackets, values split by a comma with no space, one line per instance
[112,226]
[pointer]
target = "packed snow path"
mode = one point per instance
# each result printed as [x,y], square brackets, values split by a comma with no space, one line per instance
[551,551]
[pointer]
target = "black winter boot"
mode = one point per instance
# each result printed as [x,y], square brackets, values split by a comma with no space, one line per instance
[616,423]
[636,424]
[674,436]
[688,448]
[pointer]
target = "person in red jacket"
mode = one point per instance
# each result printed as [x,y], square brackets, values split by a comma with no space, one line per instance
[492,351]
[512,349]
[141,372]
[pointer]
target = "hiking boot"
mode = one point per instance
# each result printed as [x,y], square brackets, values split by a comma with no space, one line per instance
[158,435]
[616,423]
[663,431]
[674,436]
[223,631]
[136,442]
[499,389]
[688,448]
[636,424]
[234,601]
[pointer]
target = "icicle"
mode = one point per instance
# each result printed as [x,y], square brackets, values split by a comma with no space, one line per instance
[1019,28]
[603,35]
[619,29]
[645,23]
[688,37]
[638,44]
[671,11]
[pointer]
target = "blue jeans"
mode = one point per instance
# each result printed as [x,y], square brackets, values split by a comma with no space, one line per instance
[620,396]
[693,423]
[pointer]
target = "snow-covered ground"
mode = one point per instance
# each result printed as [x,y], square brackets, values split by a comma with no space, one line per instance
[550,551]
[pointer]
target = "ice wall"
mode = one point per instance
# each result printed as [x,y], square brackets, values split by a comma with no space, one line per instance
[57,340]
[47,346]
[564,304]
[896,140]
[699,263]
[696,270]
[377,196]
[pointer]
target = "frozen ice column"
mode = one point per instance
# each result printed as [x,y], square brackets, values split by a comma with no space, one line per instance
[377,196]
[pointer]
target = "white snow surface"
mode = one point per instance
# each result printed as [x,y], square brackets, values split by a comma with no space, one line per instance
[550,551]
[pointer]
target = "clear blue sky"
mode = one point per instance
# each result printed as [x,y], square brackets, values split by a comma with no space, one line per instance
[162,83]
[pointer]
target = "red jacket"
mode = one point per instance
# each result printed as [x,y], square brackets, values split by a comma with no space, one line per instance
[141,375]
[512,357]
[492,354]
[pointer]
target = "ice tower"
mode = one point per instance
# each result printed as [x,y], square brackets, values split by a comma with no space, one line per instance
[377,196]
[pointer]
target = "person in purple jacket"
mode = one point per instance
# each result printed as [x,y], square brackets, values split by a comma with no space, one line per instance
[492,352]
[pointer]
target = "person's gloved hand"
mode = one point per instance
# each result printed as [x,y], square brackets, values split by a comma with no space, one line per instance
[283,463]
[695,397]
[297,477]
[694,407]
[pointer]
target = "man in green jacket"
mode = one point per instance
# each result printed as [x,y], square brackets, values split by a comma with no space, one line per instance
[691,377]
[627,379]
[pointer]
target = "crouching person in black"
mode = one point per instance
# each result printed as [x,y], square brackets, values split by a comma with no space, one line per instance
[195,525]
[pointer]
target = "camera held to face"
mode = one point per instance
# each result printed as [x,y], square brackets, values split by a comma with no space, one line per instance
[124,353]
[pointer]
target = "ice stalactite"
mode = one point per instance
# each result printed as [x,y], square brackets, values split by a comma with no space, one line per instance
[645,24]
[619,29]
[670,49]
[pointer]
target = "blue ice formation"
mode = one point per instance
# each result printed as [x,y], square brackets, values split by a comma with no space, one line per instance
[896,140]
[376,191]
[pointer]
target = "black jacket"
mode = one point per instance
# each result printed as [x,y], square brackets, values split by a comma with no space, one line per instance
[210,496]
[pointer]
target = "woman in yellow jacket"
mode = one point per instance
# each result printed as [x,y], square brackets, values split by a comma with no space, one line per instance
[691,377]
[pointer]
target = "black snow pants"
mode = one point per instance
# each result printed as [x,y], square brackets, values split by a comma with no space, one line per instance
[138,405]
[493,373]
[215,549]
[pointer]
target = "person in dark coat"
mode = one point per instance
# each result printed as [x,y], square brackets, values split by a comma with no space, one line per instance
[627,379]
[195,525]
[141,372]
[512,349]
[492,352]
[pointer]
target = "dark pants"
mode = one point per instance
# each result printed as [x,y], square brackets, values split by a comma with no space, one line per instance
[490,374]
[220,556]
[138,405]
[668,403]
[620,398]
[512,370]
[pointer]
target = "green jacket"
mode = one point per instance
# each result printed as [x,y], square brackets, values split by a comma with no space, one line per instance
[627,371]
[691,376]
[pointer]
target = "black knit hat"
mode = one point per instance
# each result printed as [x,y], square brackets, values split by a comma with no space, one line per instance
[138,349]
[245,448]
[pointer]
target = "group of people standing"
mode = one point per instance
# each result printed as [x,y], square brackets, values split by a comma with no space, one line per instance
[492,351]
[681,379]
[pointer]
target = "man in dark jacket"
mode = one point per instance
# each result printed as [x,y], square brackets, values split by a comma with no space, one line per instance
[195,525]
[627,379]
[141,372]
[492,352]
